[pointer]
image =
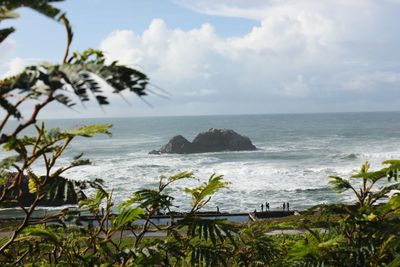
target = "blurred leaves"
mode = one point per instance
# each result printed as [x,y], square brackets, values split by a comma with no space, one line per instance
[126,217]
[44,7]
[339,184]
[37,232]
[89,130]
[83,79]
[202,194]
[207,229]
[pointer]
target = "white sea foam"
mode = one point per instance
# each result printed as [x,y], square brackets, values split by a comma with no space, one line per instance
[248,179]
[295,157]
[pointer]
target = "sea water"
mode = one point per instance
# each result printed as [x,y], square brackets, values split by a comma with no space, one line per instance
[296,155]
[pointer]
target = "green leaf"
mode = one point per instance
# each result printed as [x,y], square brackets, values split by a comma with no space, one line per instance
[204,254]
[383,192]
[179,176]
[393,171]
[339,184]
[4,33]
[42,6]
[372,176]
[394,203]
[93,202]
[392,162]
[149,199]
[126,217]
[207,229]
[7,14]
[45,234]
[18,145]
[87,56]
[395,262]
[90,130]
[79,161]
[201,194]
[7,162]
[33,182]
[256,247]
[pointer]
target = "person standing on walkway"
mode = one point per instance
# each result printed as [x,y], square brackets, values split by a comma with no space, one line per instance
[287,206]
[284,205]
[262,207]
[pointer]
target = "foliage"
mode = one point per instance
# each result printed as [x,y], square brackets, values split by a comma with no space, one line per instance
[190,239]
[364,234]
[200,195]
[78,77]
[368,235]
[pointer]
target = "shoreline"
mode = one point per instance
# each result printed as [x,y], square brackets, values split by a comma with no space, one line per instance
[163,219]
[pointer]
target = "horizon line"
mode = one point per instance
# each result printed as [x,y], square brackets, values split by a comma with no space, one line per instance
[229,114]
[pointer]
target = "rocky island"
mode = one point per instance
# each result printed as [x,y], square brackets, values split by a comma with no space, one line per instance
[214,140]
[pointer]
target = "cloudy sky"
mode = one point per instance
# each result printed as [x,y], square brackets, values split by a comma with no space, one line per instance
[230,56]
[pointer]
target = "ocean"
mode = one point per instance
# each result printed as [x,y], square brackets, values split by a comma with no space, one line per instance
[296,155]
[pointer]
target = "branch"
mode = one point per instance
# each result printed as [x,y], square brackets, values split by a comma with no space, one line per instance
[3,123]
[145,226]
[16,180]
[22,225]
[29,122]
[70,35]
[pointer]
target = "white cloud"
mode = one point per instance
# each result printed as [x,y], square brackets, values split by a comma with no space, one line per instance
[7,47]
[202,92]
[15,66]
[296,88]
[169,54]
[377,79]
[311,50]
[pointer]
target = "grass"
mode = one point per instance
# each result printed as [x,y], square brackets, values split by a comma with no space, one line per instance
[313,218]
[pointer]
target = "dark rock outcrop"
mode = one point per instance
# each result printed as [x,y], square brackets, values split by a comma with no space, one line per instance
[177,145]
[59,191]
[214,140]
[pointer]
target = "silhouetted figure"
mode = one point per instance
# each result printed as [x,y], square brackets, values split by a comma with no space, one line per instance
[217,209]
[287,206]
[284,206]
[262,207]
[266,206]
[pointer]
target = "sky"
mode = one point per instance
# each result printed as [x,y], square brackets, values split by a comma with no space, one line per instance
[228,56]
